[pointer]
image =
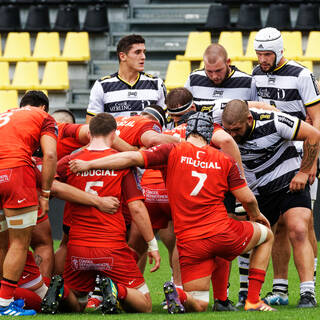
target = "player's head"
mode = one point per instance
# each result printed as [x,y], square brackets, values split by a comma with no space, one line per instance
[131,51]
[35,98]
[155,112]
[268,44]
[63,116]
[237,120]
[179,101]
[216,63]
[102,124]
[200,124]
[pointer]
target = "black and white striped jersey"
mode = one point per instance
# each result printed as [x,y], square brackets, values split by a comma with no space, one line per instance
[291,88]
[114,95]
[238,85]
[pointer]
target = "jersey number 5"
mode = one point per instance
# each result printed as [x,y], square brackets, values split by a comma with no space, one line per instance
[202,178]
[91,184]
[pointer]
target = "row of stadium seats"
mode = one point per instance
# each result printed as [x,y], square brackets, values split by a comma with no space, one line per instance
[249,17]
[8,100]
[232,41]
[178,71]
[67,19]
[26,76]
[47,47]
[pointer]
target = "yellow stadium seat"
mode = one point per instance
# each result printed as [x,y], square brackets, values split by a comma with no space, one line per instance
[76,47]
[196,45]
[292,44]
[8,100]
[250,52]
[245,66]
[17,47]
[312,50]
[232,42]
[4,75]
[47,46]
[177,73]
[26,76]
[308,64]
[55,76]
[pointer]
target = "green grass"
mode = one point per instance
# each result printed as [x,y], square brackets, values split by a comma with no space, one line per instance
[156,280]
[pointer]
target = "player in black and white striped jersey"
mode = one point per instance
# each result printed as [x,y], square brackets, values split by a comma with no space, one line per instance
[128,91]
[277,175]
[219,80]
[292,89]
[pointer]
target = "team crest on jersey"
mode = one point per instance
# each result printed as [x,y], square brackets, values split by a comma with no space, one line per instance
[218,93]
[271,80]
[132,94]
[286,121]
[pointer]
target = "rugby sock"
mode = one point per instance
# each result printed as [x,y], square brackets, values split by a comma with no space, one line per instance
[66,291]
[307,286]
[182,295]
[31,299]
[280,285]
[256,280]
[220,278]
[122,291]
[7,291]
[179,286]
[315,270]
[243,264]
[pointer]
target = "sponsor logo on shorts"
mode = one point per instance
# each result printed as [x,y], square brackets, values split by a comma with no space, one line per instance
[131,282]
[80,263]
[19,201]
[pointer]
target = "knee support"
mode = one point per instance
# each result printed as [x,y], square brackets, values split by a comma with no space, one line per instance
[23,220]
[200,295]
[263,233]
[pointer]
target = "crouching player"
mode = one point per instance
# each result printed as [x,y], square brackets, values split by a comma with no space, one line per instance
[97,241]
[197,177]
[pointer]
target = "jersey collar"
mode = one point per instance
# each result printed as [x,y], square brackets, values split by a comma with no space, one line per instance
[127,83]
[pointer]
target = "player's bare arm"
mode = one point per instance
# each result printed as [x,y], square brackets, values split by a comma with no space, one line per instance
[116,161]
[49,149]
[261,105]
[69,193]
[152,138]
[311,137]
[141,218]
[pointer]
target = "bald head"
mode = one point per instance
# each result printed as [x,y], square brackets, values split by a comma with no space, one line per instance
[235,111]
[215,52]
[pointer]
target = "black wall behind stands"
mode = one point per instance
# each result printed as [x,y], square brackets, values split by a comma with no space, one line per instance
[56,216]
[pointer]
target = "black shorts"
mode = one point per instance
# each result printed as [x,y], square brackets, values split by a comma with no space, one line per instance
[275,204]
[230,202]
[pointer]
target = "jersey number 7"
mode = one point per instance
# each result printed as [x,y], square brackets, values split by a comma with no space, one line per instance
[202,178]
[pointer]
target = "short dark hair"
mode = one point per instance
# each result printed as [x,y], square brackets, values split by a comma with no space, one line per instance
[160,114]
[102,124]
[125,43]
[64,115]
[35,98]
[178,97]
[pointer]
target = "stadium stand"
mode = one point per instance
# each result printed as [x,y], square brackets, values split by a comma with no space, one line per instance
[67,18]
[308,17]
[279,16]
[96,19]
[177,74]
[55,76]
[38,19]
[10,18]
[8,100]
[218,18]
[4,75]
[249,17]
[312,50]
[17,47]
[232,42]
[292,44]
[26,76]
[47,46]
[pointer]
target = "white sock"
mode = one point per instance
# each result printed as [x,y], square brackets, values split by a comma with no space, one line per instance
[280,285]
[5,302]
[307,286]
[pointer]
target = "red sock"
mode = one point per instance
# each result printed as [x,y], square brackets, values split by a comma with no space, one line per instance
[7,289]
[66,291]
[182,295]
[220,279]
[31,299]
[122,291]
[256,280]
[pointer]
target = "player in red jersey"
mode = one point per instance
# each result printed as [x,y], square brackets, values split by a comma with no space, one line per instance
[97,242]
[197,176]
[24,129]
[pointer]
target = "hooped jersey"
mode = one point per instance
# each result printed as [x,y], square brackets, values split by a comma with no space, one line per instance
[130,129]
[91,227]
[21,130]
[116,96]
[196,179]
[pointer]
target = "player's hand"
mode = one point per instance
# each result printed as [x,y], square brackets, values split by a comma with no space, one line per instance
[261,219]
[78,165]
[154,255]
[298,182]
[44,206]
[108,204]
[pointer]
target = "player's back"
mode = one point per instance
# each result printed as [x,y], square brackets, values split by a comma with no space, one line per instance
[91,227]
[21,130]
[197,179]
[130,129]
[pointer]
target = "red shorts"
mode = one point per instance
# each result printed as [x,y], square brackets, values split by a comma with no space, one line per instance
[84,263]
[18,187]
[31,273]
[196,256]
[44,218]
[157,203]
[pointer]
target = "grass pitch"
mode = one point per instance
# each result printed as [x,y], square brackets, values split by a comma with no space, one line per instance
[156,280]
